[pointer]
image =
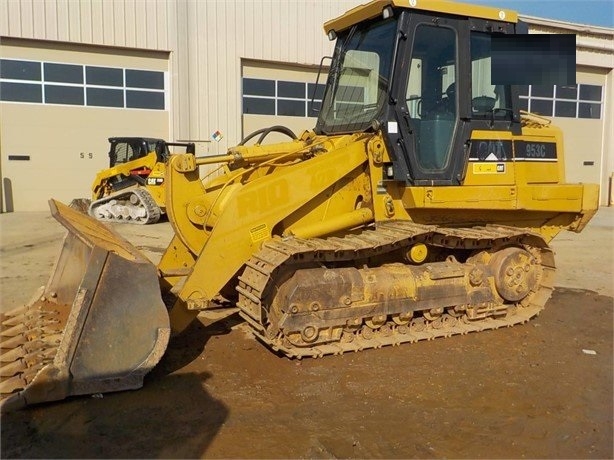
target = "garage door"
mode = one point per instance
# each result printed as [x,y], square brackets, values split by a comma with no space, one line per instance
[579,111]
[59,105]
[280,94]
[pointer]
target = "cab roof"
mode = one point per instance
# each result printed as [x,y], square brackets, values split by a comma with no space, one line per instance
[135,139]
[375,8]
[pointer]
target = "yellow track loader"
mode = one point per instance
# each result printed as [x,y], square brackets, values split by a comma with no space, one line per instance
[131,190]
[411,212]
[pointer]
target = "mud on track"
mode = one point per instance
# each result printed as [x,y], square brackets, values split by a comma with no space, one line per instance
[529,391]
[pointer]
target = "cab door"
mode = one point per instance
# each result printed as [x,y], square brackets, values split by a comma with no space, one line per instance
[427,108]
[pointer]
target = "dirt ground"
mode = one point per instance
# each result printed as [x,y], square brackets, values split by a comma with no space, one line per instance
[540,390]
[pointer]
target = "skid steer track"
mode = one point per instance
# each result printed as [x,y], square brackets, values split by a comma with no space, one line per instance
[133,206]
[99,325]
[266,271]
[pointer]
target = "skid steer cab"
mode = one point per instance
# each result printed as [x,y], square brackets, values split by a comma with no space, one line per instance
[131,190]
[421,206]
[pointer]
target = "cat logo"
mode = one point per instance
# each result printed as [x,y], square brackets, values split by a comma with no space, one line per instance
[488,168]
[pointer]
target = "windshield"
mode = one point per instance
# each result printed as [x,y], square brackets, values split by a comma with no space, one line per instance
[487,100]
[358,79]
[123,152]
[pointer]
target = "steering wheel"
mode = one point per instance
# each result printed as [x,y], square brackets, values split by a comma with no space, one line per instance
[265,132]
[451,91]
[483,104]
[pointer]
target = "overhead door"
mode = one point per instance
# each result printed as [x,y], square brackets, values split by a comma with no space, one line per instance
[280,94]
[579,111]
[59,105]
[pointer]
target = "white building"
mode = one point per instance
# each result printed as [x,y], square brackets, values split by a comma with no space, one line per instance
[73,73]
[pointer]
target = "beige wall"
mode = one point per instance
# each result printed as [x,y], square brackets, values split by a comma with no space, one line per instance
[277,71]
[584,138]
[58,139]
[206,40]
[607,169]
[54,138]
[588,140]
[200,43]
[207,62]
[82,54]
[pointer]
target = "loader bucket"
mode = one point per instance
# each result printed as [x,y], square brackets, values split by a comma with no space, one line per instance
[99,325]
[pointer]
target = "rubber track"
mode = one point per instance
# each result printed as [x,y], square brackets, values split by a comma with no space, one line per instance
[279,255]
[151,207]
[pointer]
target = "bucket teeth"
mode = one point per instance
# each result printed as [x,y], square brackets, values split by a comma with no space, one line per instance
[30,335]
[12,384]
[15,331]
[12,369]
[29,317]
[28,362]
[13,342]
[39,358]
[13,321]
[18,382]
[14,312]
[28,341]
[14,354]
[19,352]
[52,339]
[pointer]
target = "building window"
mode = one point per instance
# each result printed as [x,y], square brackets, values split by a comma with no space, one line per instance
[71,95]
[144,79]
[291,108]
[20,92]
[570,101]
[63,73]
[145,100]
[257,87]
[20,70]
[104,97]
[258,106]
[315,93]
[281,97]
[104,76]
[586,110]
[83,85]
[291,89]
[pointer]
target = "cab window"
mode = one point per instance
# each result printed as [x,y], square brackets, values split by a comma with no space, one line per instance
[431,95]
[487,100]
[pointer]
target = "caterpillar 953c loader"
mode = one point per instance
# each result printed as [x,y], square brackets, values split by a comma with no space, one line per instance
[131,190]
[411,212]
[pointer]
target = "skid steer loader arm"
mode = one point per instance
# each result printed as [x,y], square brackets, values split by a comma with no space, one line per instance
[99,325]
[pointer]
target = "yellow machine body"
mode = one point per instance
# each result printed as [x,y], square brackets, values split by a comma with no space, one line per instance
[131,190]
[395,220]
[223,223]
[149,164]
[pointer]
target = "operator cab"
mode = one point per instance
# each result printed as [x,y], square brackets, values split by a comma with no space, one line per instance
[423,78]
[125,149]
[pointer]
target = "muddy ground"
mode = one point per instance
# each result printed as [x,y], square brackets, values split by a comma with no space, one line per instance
[531,391]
